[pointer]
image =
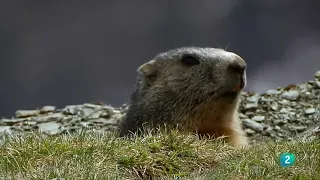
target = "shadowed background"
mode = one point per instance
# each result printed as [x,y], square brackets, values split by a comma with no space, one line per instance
[62,52]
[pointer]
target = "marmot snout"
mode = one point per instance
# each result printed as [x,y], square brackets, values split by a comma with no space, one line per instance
[196,89]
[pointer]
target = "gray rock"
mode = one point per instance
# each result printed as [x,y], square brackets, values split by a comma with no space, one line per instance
[252,125]
[290,95]
[251,106]
[104,121]
[5,129]
[317,85]
[71,109]
[26,113]
[49,117]
[299,128]
[317,75]
[284,102]
[310,111]
[12,121]
[277,128]
[46,109]
[249,132]
[49,128]
[258,118]
[285,111]
[268,131]
[30,123]
[280,121]
[253,99]
[272,92]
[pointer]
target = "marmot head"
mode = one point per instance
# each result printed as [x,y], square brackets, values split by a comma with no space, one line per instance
[194,73]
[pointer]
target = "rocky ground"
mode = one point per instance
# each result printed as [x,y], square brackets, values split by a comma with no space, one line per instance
[285,113]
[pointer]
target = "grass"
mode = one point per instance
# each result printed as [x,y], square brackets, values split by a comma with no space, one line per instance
[170,155]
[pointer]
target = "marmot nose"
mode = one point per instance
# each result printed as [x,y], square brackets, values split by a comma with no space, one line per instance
[238,71]
[237,68]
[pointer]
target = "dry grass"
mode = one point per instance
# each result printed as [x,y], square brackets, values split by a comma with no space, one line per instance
[170,155]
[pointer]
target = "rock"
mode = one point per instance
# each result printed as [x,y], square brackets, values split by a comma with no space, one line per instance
[252,125]
[50,117]
[299,128]
[253,99]
[317,75]
[5,129]
[280,121]
[258,118]
[277,128]
[249,132]
[46,109]
[272,92]
[317,85]
[71,110]
[26,113]
[290,95]
[104,121]
[30,123]
[310,111]
[268,131]
[51,128]
[251,106]
[11,121]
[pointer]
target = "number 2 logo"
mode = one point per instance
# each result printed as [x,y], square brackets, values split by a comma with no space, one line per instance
[287,159]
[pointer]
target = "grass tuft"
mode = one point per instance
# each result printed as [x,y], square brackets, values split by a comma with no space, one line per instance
[165,155]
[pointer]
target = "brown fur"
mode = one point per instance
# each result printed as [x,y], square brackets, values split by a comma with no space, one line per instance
[200,98]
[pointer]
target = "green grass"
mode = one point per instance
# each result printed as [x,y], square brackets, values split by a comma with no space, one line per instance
[159,156]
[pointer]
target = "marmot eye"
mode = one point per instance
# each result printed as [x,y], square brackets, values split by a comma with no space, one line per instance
[190,60]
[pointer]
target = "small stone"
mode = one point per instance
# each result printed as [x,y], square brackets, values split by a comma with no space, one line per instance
[290,95]
[299,128]
[5,129]
[50,117]
[316,85]
[242,116]
[71,110]
[49,127]
[268,131]
[285,111]
[272,92]
[104,121]
[105,114]
[251,106]
[26,113]
[84,124]
[116,111]
[46,109]
[30,123]
[258,118]
[249,131]
[93,106]
[280,121]
[317,75]
[284,102]
[274,107]
[252,125]
[11,121]
[253,99]
[277,128]
[265,99]
[310,111]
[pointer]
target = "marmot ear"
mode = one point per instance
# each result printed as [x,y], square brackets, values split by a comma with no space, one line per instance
[148,69]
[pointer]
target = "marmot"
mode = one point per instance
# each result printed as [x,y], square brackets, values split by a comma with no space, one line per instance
[197,89]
